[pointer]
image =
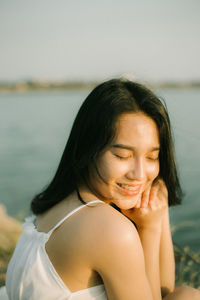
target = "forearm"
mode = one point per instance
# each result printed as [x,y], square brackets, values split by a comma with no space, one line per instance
[150,239]
[167,263]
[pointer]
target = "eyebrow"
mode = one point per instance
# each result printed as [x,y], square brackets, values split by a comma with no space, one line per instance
[121,146]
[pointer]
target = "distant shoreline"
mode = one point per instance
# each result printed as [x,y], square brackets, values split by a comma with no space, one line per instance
[24,86]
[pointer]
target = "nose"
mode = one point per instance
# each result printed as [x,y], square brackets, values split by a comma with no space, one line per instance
[137,170]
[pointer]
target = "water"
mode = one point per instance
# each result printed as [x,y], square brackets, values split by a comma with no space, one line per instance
[34,129]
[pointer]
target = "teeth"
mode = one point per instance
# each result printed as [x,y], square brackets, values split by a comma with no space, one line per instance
[128,187]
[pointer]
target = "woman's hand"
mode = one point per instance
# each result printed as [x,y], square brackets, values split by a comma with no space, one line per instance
[151,207]
[148,215]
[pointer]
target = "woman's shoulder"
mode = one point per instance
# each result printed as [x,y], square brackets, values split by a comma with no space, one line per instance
[97,226]
[106,225]
[114,244]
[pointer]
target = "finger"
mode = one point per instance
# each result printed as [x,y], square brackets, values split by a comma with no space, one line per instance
[138,204]
[153,194]
[164,190]
[145,197]
[162,187]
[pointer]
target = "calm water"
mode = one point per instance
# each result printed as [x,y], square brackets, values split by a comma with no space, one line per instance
[34,129]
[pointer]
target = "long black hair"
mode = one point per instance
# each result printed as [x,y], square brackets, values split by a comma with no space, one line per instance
[95,127]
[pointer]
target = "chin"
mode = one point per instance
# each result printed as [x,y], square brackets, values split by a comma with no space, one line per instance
[126,203]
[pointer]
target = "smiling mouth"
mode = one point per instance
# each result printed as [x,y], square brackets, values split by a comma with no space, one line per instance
[129,187]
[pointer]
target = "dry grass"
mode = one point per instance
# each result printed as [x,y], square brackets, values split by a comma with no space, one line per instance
[10,229]
[187,267]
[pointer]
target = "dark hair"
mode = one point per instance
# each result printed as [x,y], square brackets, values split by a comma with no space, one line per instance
[95,127]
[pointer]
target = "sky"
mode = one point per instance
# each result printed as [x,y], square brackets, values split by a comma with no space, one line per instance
[153,40]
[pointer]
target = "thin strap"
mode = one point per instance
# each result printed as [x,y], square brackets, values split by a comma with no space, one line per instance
[71,213]
[79,196]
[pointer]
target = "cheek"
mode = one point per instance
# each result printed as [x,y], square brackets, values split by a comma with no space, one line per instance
[153,171]
[104,169]
[112,169]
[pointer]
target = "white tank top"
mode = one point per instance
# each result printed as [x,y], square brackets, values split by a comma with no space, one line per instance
[31,275]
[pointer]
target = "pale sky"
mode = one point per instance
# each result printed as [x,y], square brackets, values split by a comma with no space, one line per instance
[98,39]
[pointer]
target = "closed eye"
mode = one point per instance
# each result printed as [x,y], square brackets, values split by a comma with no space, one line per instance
[122,157]
[153,159]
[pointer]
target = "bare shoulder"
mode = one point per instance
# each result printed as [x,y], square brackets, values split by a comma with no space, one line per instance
[108,229]
[108,223]
[96,225]
[116,253]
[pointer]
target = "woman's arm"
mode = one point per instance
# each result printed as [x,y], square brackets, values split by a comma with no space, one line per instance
[167,263]
[150,240]
[148,217]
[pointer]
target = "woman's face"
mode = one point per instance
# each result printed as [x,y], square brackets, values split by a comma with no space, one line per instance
[130,163]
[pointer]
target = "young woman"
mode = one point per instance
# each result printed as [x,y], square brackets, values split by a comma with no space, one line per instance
[101,228]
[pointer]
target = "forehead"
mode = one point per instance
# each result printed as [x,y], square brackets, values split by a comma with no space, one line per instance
[137,128]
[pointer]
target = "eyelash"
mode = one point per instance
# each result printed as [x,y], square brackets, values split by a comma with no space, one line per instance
[125,158]
[121,157]
[153,159]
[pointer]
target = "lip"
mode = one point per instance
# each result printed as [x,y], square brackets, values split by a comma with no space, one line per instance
[130,192]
